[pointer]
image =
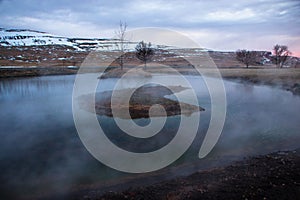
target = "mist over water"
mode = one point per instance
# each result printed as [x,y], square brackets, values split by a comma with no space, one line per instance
[41,153]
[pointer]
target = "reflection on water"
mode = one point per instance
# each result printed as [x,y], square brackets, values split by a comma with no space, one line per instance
[41,153]
[36,85]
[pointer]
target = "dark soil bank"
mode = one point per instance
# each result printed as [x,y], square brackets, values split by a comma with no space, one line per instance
[39,71]
[272,176]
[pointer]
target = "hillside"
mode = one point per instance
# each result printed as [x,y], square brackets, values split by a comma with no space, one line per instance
[26,37]
[29,48]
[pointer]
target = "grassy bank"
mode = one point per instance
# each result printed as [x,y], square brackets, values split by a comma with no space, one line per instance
[38,71]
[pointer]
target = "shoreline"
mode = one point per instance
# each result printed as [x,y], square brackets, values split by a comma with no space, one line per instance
[271,176]
[283,78]
[35,72]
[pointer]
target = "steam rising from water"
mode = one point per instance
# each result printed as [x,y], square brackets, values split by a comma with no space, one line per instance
[41,153]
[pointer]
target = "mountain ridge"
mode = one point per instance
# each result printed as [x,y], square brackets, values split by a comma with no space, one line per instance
[28,37]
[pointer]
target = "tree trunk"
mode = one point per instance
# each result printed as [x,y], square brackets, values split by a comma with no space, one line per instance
[121,61]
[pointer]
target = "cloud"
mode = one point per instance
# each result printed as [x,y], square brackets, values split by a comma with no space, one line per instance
[224,24]
[221,15]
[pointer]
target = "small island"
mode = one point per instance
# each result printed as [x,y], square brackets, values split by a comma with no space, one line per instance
[140,102]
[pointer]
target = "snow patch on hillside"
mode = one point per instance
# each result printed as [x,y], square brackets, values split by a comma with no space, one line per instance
[26,37]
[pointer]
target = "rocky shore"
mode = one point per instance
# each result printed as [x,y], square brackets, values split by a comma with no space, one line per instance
[271,176]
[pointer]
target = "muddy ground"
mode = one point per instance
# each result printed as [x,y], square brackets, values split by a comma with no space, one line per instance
[272,176]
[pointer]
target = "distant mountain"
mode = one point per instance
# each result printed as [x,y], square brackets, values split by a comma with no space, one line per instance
[24,47]
[26,37]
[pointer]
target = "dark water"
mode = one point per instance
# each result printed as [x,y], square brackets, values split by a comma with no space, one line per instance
[41,153]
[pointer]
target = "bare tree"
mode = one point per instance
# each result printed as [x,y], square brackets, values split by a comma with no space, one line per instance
[246,57]
[144,52]
[281,53]
[122,43]
[294,62]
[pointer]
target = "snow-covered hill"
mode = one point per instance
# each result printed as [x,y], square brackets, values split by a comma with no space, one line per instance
[24,46]
[25,37]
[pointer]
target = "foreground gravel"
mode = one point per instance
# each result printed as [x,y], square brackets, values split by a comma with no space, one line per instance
[272,176]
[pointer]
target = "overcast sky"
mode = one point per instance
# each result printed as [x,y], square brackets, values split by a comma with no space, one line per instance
[219,25]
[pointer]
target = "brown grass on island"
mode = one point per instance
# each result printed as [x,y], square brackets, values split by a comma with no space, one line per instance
[130,72]
[140,102]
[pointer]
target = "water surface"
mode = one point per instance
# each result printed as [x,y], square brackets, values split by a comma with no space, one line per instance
[41,153]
